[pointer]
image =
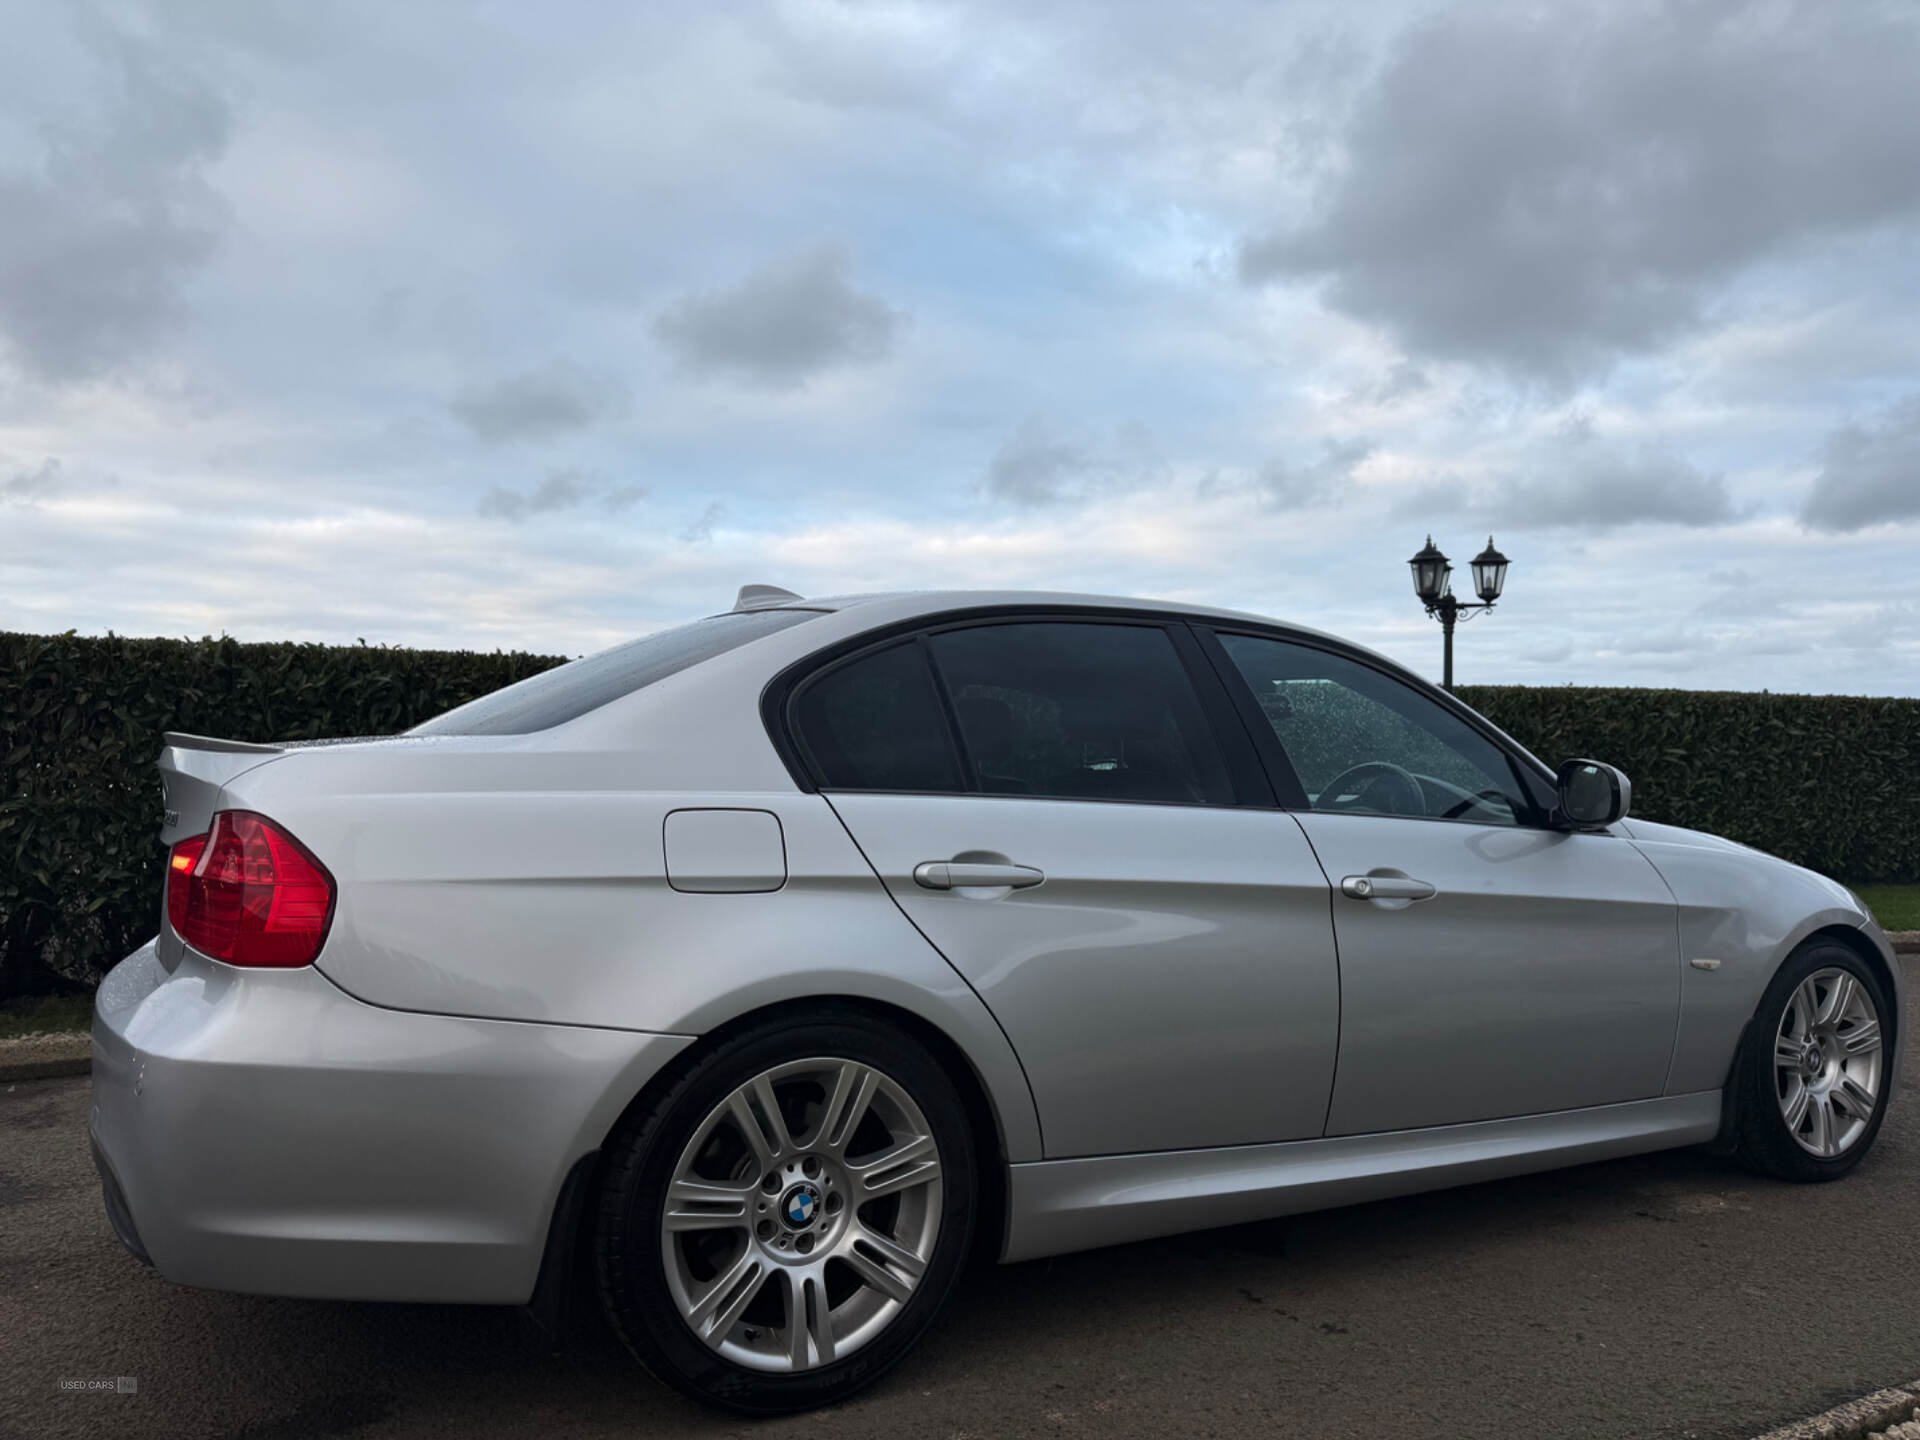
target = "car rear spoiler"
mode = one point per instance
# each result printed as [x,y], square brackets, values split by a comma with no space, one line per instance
[194,769]
[207,742]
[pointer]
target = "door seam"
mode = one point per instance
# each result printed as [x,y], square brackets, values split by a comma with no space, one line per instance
[1679,966]
[1339,979]
[1039,1122]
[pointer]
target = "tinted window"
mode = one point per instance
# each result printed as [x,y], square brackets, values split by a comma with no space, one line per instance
[569,691]
[1362,741]
[875,724]
[1079,711]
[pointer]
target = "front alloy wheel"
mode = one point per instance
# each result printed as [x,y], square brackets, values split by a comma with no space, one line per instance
[1827,1063]
[1813,1076]
[778,1226]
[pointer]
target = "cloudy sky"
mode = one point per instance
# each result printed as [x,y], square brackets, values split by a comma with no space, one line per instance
[545,325]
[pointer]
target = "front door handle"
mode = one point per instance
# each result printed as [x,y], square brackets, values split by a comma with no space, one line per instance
[965,874]
[1385,887]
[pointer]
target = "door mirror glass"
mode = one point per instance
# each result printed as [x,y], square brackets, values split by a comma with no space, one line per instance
[1592,795]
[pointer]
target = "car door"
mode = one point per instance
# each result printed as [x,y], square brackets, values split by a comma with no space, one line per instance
[1048,802]
[1490,966]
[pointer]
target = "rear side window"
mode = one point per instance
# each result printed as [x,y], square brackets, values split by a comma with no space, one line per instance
[875,724]
[1079,711]
[569,691]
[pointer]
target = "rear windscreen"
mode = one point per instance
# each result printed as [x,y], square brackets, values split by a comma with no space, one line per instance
[569,691]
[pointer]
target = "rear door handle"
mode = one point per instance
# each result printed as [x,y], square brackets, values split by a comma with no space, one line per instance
[1385,887]
[959,874]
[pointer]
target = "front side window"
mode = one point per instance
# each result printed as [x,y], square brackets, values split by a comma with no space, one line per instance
[1078,711]
[1361,742]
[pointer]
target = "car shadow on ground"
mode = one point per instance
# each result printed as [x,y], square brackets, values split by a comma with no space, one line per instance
[386,1361]
[1665,1294]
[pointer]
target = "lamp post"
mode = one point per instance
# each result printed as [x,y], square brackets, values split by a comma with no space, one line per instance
[1433,583]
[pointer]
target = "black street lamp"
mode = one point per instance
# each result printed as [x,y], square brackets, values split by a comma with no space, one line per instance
[1433,583]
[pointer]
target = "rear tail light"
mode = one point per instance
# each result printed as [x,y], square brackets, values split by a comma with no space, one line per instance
[180,863]
[248,893]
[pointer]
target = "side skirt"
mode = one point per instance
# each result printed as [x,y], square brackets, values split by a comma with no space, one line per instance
[1061,1205]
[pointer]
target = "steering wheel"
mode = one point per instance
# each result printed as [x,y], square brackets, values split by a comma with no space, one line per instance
[1412,796]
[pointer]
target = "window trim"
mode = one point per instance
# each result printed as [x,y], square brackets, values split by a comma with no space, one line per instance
[1286,780]
[1235,748]
[956,740]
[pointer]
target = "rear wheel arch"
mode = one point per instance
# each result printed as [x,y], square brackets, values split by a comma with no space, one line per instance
[983,1118]
[656,1292]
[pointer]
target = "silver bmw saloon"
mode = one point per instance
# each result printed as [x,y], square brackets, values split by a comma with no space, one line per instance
[752,976]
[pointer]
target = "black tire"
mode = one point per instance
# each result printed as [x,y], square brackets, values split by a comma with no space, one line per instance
[1761,1137]
[640,1158]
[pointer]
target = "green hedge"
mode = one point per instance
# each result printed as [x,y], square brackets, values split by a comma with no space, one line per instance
[80,726]
[1828,781]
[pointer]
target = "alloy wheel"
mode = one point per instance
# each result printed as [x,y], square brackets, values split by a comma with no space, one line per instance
[802,1215]
[1827,1061]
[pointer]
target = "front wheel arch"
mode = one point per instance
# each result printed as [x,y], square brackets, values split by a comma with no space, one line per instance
[1857,941]
[1745,1111]
[1731,1091]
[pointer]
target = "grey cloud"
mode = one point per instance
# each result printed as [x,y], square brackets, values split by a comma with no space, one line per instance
[1544,188]
[28,486]
[563,489]
[100,236]
[1037,467]
[536,404]
[782,324]
[1426,502]
[701,530]
[1870,474]
[834,57]
[1668,641]
[1405,379]
[1872,631]
[1603,488]
[1319,482]
[1587,482]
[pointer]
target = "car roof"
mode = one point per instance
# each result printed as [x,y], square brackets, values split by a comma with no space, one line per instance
[889,606]
[704,724]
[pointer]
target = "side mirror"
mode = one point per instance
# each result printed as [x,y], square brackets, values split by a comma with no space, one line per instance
[1592,795]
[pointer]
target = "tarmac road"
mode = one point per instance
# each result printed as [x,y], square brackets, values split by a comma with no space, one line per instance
[1664,1296]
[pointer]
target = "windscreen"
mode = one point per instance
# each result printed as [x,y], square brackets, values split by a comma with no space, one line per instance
[569,691]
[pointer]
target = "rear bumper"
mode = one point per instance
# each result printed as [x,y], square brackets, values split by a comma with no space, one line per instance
[263,1131]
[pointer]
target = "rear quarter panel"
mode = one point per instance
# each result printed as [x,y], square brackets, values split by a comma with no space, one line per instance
[532,885]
